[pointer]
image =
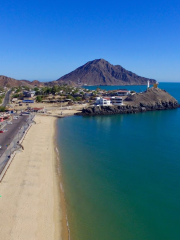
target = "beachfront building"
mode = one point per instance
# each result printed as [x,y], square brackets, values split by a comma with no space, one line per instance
[103,101]
[107,101]
[117,101]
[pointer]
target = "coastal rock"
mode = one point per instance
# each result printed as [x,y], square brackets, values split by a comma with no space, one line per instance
[151,100]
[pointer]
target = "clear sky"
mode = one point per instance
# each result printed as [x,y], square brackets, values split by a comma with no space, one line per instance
[46,39]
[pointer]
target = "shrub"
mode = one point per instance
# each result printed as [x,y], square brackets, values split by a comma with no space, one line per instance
[38,99]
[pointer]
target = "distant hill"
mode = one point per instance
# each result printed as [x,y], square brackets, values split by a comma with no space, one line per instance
[101,72]
[96,72]
[7,81]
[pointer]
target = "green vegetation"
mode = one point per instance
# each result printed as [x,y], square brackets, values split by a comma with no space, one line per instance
[70,97]
[78,98]
[36,89]
[26,88]
[1,98]
[38,92]
[55,92]
[18,90]
[1,89]
[16,95]
[39,98]
[2,109]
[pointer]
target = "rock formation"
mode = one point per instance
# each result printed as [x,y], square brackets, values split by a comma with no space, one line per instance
[151,100]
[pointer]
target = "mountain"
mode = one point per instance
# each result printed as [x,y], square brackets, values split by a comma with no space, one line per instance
[101,72]
[96,72]
[7,81]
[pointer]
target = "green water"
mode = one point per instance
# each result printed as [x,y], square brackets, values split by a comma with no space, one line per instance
[121,175]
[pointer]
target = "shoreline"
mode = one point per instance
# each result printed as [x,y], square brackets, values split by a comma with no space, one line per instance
[60,189]
[35,208]
[119,110]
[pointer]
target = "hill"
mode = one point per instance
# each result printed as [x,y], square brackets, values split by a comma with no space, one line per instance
[7,81]
[101,72]
[152,97]
[96,72]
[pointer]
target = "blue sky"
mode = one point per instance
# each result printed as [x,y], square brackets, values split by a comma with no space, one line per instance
[46,39]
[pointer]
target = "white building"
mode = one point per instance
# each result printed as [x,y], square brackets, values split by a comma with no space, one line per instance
[117,101]
[106,101]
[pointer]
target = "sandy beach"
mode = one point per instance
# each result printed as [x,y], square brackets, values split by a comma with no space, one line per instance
[30,202]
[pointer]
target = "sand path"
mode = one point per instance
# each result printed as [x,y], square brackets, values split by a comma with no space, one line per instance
[29,202]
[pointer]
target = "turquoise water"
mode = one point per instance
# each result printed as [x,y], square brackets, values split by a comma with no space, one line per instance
[137,88]
[121,174]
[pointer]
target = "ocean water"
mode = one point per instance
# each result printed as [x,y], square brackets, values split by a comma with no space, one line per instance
[137,88]
[121,174]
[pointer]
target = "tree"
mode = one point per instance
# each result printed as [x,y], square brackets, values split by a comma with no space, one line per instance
[2,109]
[26,88]
[18,90]
[36,89]
[38,93]
[78,99]
[38,99]
[54,89]
[15,95]
[1,89]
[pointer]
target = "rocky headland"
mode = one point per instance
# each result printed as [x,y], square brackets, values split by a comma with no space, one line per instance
[151,100]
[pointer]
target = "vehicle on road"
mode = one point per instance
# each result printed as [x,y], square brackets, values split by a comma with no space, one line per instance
[1,131]
[0,146]
[9,122]
[25,113]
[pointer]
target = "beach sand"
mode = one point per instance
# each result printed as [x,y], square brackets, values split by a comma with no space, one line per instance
[30,202]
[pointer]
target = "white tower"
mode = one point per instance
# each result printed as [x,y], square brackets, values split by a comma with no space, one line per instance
[148,84]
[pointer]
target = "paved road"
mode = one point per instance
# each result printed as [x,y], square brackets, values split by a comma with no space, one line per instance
[9,140]
[7,137]
[6,98]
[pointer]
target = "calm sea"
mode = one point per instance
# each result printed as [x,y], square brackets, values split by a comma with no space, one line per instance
[121,174]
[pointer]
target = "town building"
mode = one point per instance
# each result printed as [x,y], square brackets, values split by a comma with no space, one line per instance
[123,92]
[28,101]
[107,101]
[117,101]
[29,93]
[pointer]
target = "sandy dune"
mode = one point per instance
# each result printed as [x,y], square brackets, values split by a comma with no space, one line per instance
[30,202]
